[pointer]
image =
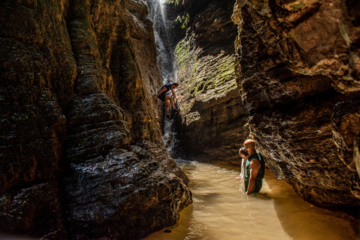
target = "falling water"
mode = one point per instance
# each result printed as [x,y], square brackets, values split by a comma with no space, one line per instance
[161,5]
[165,61]
[165,57]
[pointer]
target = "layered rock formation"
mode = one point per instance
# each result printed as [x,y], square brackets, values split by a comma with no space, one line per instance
[81,149]
[212,123]
[299,75]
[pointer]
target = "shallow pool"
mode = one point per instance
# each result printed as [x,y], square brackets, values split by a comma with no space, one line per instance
[222,211]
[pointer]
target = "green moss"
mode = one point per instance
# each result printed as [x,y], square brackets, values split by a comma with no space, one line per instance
[209,85]
[199,87]
[206,75]
[192,117]
[182,52]
[224,72]
[194,73]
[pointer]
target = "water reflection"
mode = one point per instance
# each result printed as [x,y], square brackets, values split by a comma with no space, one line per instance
[221,210]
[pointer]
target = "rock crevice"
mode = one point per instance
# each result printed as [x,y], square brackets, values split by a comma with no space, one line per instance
[212,123]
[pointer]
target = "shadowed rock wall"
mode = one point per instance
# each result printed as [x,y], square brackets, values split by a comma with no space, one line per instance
[299,75]
[81,150]
[212,123]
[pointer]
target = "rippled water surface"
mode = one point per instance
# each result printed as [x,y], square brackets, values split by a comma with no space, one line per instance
[221,211]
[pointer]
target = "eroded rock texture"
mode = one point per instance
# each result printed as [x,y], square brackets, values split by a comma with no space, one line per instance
[212,123]
[81,149]
[299,75]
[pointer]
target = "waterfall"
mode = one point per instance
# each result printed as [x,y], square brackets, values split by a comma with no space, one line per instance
[161,5]
[165,57]
[165,61]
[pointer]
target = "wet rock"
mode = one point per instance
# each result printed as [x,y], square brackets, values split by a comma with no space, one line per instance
[35,210]
[117,186]
[297,69]
[37,71]
[126,194]
[80,146]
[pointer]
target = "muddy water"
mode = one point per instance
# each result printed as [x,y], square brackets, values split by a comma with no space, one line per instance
[221,211]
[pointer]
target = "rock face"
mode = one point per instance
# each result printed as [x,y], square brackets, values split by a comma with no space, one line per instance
[81,149]
[213,119]
[299,75]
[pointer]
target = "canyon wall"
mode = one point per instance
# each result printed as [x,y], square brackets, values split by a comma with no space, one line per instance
[298,70]
[212,122]
[81,149]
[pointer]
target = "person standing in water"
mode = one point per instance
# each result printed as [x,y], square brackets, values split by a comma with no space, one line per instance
[167,99]
[244,156]
[255,168]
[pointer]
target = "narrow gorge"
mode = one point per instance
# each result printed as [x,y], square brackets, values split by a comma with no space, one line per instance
[213,119]
[85,152]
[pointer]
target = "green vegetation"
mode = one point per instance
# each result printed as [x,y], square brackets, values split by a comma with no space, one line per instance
[192,117]
[176,2]
[204,75]
[183,20]
[224,71]
[183,55]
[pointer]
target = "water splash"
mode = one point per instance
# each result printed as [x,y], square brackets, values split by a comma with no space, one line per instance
[169,138]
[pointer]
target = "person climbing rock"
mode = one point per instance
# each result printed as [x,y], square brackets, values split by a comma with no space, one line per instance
[167,99]
[255,168]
